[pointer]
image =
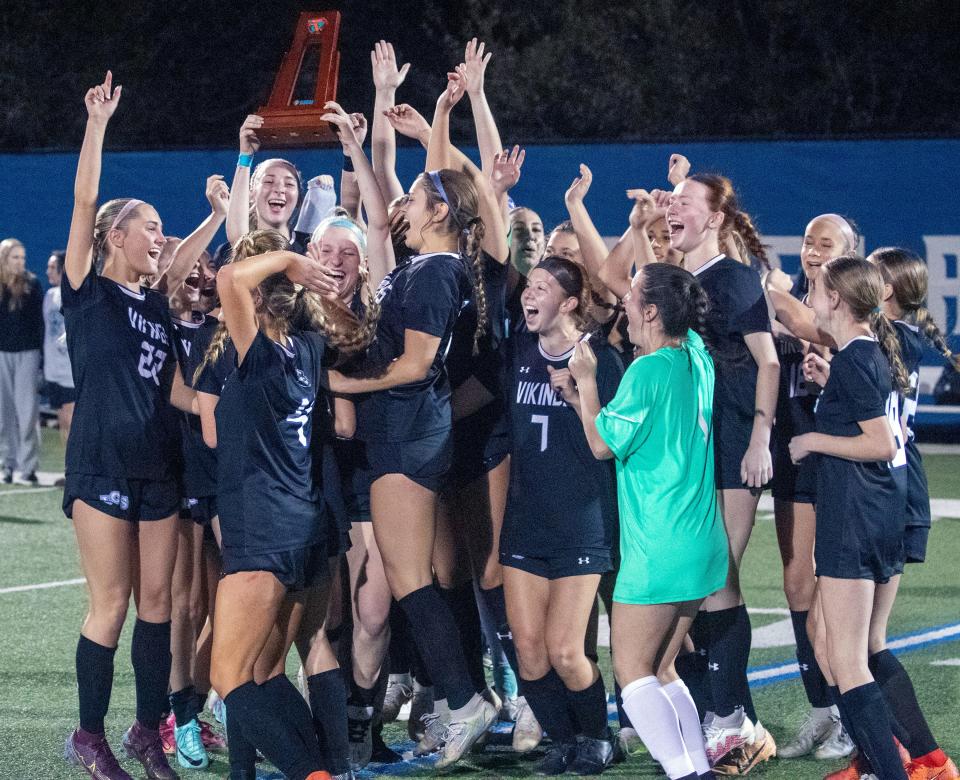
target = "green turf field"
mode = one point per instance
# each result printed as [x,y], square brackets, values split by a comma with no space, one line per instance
[37,686]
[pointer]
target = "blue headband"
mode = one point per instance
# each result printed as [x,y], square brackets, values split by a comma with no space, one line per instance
[346,223]
[435,178]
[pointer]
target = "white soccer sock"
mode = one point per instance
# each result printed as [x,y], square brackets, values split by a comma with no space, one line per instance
[682,702]
[655,719]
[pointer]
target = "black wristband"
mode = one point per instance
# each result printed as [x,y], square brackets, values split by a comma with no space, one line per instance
[348,163]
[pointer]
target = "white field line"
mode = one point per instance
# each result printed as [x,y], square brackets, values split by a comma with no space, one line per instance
[43,586]
[16,492]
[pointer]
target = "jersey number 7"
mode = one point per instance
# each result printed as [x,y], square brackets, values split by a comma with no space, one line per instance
[542,419]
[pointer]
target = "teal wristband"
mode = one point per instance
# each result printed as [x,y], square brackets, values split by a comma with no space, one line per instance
[244,160]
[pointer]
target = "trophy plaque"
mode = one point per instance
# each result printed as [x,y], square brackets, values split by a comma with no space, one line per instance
[307,79]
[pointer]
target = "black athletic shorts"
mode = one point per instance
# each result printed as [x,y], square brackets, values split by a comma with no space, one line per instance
[126,499]
[201,510]
[796,483]
[296,569]
[425,461]
[571,563]
[58,395]
[915,543]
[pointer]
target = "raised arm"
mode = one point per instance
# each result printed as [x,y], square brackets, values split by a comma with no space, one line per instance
[101,101]
[592,247]
[238,215]
[795,315]
[350,196]
[188,251]
[380,259]
[633,248]
[383,149]
[236,283]
[488,137]
[442,154]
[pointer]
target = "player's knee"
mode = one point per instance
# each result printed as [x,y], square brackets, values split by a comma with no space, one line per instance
[154,604]
[565,656]
[798,587]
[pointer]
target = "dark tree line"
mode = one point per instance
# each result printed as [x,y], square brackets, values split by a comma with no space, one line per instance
[562,70]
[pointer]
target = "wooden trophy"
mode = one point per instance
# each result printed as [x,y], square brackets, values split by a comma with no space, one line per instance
[307,79]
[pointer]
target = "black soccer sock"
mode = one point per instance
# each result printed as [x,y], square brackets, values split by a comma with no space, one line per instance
[401,657]
[260,715]
[901,698]
[547,697]
[183,705]
[868,717]
[435,632]
[496,605]
[692,667]
[328,704]
[837,699]
[94,683]
[462,602]
[589,708]
[362,697]
[242,753]
[150,653]
[814,683]
[729,655]
[296,714]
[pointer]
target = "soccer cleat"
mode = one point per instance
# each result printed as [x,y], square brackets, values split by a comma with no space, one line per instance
[434,733]
[629,742]
[721,738]
[212,741]
[421,704]
[399,692]
[166,734]
[359,723]
[592,756]
[852,771]
[29,480]
[348,775]
[742,760]
[837,744]
[93,754]
[217,706]
[7,477]
[816,729]
[947,771]
[144,745]
[190,751]
[556,761]
[462,734]
[527,733]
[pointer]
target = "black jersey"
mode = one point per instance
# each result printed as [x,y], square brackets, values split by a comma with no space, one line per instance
[859,389]
[214,375]
[560,496]
[737,309]
[199,461]
[267,494]
[796,398]
[120,344]
[918,496]
[426,295]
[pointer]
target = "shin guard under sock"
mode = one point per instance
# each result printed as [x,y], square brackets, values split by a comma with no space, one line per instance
[150,653]
[901,698]
[328,705]
[814,683]
[94,683]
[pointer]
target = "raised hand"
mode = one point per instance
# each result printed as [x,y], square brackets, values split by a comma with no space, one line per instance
[644,211]
[359,126]
[384,63]
[580,187]
[344,125]
[249,142]
[506,169]
[218,195]
[406,120]
[454,91]
[661,198]
[102,100]
[583,364]
[677,169]
[474,66]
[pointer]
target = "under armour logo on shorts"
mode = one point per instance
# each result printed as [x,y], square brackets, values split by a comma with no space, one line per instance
[582,561]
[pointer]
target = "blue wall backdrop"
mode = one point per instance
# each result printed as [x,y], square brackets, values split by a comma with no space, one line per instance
[899,192]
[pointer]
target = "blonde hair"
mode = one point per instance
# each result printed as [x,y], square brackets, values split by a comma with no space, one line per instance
[18,282]
[103,224]
[291,307]
[860,286]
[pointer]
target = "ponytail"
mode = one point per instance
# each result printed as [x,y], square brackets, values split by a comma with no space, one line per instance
[931,333]
[744,227]
[889,342]
[470,241]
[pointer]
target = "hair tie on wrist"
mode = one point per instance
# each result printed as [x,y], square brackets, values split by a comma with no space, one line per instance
[348,163]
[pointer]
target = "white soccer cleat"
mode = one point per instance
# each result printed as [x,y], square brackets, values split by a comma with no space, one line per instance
[816,728]
[462,734]
[837,744]
[434,733]
[722,735]
[399,692]
[527,733]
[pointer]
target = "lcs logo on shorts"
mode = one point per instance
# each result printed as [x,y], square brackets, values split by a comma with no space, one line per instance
[301,378]
[115,499]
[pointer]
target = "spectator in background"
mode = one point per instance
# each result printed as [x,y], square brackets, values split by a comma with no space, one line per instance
[21,337]
[56,362]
